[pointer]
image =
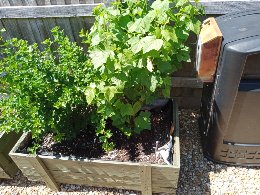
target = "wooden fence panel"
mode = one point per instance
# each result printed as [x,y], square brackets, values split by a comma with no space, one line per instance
[35,26]
[49,2]
[64,23]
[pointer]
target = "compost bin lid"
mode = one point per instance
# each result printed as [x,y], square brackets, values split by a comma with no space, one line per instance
[236,26]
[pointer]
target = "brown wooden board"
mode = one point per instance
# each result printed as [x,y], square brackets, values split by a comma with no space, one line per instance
[124,175]
[209,44]
[7,167]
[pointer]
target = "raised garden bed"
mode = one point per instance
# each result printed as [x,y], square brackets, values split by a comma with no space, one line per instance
[7,167]
[144,177]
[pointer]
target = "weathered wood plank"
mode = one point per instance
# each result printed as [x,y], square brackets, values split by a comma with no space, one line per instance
[164,179]
[74,1]
[40,2]
[76,27]
[3,174]
[50,11]
[99,167]
[169,174]
[64,23]
[8,165]
[4,3]
[12,28]
[190,82]
[23,160]
[26,30]
[10,24]
[49,23]
[80,179]
[5,34]
[23,163]
[85,23]
[87,1]
[146,178]
[37,25]
[188,102]
[186,92]
[47,2]
[14,2]
[37,163]
[7,141]
[23,24]
[176,145]
[226,6]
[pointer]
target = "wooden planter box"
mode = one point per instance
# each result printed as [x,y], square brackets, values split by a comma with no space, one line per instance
[7,167]
[143,177]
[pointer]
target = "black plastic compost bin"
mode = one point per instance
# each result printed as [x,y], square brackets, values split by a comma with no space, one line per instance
[230,106]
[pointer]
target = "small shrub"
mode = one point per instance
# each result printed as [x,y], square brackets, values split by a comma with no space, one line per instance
[45,89]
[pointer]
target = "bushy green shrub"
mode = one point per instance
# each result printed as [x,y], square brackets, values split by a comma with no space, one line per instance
[134,47]
[44,89]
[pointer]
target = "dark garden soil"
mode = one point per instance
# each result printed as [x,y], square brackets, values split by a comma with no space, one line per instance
[138,148]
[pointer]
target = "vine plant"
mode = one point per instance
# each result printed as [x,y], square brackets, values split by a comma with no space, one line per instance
[134,47]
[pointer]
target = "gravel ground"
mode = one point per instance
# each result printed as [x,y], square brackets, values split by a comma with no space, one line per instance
[197,175]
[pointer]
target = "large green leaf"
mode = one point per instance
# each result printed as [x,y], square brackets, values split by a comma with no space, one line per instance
[152,45]
[181,2]
[169,35]
[140,44]
[160,5]
[167,92]
[137,106]
[142,121]
[183,56]
[96,40]
[124,20]
[135,44]
[137,26]
[127,110]
[99,57]
[147,20]
[90,94]
[197,27]
[110,92]
[165,67]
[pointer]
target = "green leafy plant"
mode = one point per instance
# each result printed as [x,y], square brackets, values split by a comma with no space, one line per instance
[134,47]
[44,89]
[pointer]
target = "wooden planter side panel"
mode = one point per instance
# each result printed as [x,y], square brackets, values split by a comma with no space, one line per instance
[7,167]
[23,160]
[122,175]
[108,174]
[3,174]
[24,164]
[165,179]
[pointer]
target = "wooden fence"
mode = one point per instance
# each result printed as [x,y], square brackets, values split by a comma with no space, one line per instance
[32,20]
